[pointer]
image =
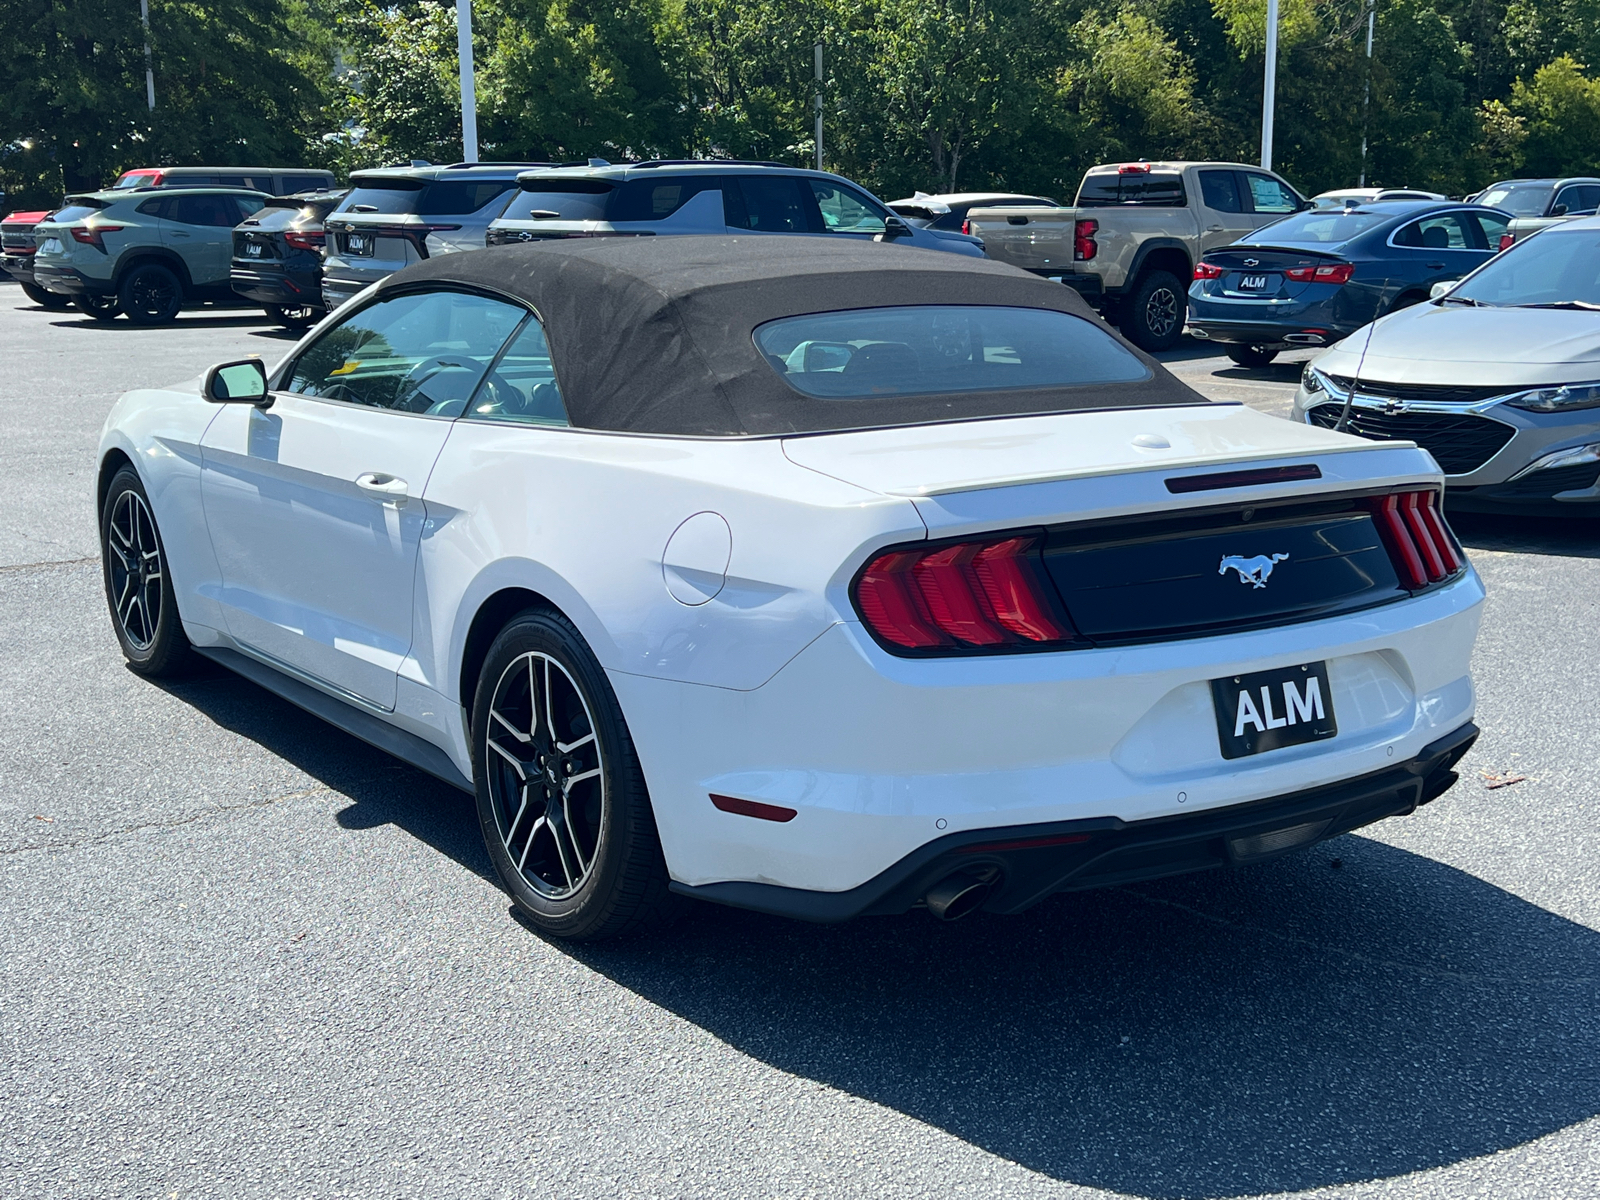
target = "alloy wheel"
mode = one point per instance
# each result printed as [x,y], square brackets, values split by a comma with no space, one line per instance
[546,775]
[136,570]
[152,292]
[1161,312]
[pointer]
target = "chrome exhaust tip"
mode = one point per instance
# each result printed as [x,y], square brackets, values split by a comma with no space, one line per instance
[957,895]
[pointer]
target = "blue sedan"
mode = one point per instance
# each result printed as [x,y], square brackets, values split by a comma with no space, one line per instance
[1318,276]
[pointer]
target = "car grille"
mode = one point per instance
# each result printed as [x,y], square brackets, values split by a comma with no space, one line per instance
[1459,443]
[1435,393]
[1544,484]
[17,242]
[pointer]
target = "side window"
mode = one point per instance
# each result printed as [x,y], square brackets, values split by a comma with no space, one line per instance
[1219,190]
[522,386]
[424,352]
[768,204]
[656,199]
[249,206]
[213,211]
[157,207]
[1447,232]
[1493,229]
[1267,195]
[845,210]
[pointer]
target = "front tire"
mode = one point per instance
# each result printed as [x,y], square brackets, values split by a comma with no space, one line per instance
[139,591]
[1154,314]
[151,294]
[54,301]
[561,796]
[101,308]
[1251,357]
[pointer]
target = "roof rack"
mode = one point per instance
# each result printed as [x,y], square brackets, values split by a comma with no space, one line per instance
[461,166]
[718,162]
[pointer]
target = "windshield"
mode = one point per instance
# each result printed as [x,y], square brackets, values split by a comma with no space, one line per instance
[936,349]
[427,198]
[1518,201]
[1318,227]
[1556,266]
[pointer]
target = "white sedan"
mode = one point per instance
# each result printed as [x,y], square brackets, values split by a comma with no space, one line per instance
[812,579]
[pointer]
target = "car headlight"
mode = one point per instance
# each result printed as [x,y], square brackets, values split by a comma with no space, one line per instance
[1562,398]
[1310,380]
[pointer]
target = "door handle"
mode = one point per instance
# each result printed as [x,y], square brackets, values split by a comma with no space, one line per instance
[1434,266]
[384,487]
[1214,229]
[177,233]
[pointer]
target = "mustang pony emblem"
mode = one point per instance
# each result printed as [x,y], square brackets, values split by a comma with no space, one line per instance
[1254,571]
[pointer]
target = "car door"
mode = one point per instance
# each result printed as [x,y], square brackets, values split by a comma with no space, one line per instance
[314,504]
[199,228]
[1227,217]
[1270,199]
[845,212]
[769,204]
[1435,249]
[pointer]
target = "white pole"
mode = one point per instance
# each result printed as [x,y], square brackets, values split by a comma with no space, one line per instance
[1269,93]
[469,94]
[149,71]
[818,51]
[1366,93]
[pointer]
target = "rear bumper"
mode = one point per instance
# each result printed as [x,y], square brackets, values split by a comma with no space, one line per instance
[266,285]
[70,281]
[18,266]
[1036,861]
[1277,334]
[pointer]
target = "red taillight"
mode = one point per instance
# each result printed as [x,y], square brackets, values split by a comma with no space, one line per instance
[1420,544]
[972,594]
[1205,270]
[1338,273]
[305,240]
[1084,247]
[1506,239]
[90,235]
[1134,169]
[966,227]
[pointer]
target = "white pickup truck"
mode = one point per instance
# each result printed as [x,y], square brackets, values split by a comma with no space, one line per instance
[1130,241]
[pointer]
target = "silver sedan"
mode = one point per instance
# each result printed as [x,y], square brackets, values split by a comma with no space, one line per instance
[1498,377]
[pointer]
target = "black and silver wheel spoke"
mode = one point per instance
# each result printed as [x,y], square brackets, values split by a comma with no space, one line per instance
[134,563]
[546,777]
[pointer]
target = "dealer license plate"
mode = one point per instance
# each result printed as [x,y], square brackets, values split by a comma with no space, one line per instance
[1253,283]
[50,246]
[252,249]
[359,243]
[1272,709]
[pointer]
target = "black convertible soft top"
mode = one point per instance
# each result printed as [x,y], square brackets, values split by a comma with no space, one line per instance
[655,335]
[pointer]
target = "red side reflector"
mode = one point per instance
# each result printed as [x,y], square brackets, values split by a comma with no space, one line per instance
[1064,839]
[753,808]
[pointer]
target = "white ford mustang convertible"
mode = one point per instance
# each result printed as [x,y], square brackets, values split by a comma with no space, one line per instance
[820,580]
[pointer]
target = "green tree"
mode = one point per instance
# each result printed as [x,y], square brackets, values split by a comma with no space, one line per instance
[1562,110]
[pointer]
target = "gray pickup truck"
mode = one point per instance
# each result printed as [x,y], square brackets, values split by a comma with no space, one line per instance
[1130,241]
[1536,204]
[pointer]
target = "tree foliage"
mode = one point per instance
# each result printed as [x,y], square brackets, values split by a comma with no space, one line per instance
[936,94]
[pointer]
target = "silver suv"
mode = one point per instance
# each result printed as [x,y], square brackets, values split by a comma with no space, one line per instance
[143,252]
[401,215]
[703,196]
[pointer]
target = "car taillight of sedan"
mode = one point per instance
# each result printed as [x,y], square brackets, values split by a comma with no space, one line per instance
[1337,273]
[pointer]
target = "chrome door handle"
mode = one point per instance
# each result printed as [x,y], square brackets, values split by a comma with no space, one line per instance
[384,487]
[1214,229]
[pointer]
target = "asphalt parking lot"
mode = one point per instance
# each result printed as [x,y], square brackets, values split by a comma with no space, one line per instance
[243,955]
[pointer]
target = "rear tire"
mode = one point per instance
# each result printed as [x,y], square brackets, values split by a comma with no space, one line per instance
[150,294]
[101,308]
[303,317]
[1252,357]
[54,301]
[561,796]
[1152,317]
[144,610]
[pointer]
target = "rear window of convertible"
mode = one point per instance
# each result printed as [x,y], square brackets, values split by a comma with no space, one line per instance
[933,349]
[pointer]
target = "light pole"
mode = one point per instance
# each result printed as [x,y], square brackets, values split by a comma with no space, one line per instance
[469,95]
[1366,93]
[818,52]
[1269,91]
[149,71]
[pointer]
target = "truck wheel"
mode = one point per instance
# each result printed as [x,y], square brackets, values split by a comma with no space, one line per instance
[298,317]
[150,294]
[51,300]
[1253,357]
[101,308]
[1153,316]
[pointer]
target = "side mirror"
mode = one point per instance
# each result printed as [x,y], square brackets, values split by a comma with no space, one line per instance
[894,227]
[242,382]
[1441,289]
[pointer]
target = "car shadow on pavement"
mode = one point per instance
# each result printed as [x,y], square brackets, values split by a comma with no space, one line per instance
[382,790]
[1559,536]
[1284,1027]
[186,320]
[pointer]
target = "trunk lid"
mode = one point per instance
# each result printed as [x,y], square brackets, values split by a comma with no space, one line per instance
[1258,272]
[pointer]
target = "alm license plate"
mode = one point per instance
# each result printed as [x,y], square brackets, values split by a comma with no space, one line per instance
[50,246]
[1272,709]
[1253,283]
[359,243]
[252,249]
